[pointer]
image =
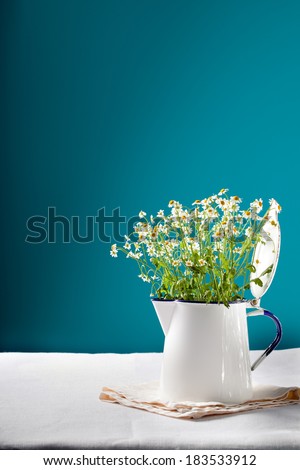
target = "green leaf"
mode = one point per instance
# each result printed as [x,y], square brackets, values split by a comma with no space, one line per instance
[267,271]
[251,268]
[258,282]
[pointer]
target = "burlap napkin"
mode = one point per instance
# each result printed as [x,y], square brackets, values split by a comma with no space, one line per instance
[145,396]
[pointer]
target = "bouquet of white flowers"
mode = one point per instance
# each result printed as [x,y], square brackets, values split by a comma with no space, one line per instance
[203,253]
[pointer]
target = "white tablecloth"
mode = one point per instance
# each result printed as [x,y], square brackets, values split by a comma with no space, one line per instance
[51,401]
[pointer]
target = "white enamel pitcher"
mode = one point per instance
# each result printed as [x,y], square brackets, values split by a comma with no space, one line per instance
[206,350]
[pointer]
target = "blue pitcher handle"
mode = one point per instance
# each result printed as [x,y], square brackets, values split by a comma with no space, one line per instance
[261,311]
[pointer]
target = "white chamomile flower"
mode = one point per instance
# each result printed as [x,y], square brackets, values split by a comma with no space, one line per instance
[163,229]
[153,234]
[114,251]
[136,255]
[186,230]
[236,199]
[204,203]
[239,218]
[189,263]
[144,277]
[177,205]
[218,246]
[233,206]
[257,205]
[197,202]
[184,215]
[176,262]
[142,214]
[151,251]
[195,246]
[171,203]
[222,191]
[217,234]
[127,246]
[248,232]
[160,213]
[202,262]
[137,227]
[222,203]
[246,214]
[211,213]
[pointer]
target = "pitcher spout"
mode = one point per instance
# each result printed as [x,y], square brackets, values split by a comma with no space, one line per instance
[164,310]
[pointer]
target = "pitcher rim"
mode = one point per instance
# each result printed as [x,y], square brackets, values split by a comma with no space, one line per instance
[240,301]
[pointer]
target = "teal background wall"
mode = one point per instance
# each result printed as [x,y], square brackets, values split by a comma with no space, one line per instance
[131,103]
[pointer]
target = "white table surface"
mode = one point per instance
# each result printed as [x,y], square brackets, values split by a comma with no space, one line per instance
[51,401]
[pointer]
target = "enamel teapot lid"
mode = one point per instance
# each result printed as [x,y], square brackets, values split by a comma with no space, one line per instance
[266,254]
